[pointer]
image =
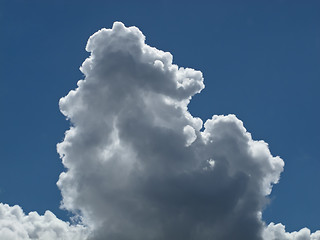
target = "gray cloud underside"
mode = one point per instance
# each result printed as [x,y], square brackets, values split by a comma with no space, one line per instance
[140,167]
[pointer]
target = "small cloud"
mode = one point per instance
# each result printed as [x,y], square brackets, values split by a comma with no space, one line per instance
[15,225]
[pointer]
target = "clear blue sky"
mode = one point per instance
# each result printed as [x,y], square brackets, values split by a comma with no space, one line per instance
[260,61]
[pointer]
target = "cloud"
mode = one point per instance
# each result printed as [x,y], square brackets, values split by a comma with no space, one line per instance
[277,232]
[140,166]
[15,225]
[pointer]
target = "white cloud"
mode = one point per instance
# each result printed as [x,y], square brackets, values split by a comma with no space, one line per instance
[136,157]
[15,225]
[138,164]
[277,232]
[190,134]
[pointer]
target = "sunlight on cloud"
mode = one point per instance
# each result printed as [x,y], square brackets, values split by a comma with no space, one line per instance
[15,225]
[138,164]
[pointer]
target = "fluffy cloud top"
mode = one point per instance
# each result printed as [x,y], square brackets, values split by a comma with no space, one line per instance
[139,165]
[278,232]
[15,225]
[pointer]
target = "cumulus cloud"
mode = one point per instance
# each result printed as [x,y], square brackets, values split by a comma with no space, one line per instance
[15,225]
[140,166]
[278,232]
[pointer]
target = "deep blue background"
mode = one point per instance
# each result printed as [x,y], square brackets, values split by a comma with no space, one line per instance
[260,61]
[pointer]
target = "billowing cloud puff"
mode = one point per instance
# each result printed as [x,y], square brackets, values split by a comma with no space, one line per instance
[277,232]
[15,225]
[140,166]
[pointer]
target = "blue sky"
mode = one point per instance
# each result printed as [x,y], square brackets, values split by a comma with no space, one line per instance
[260,61]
